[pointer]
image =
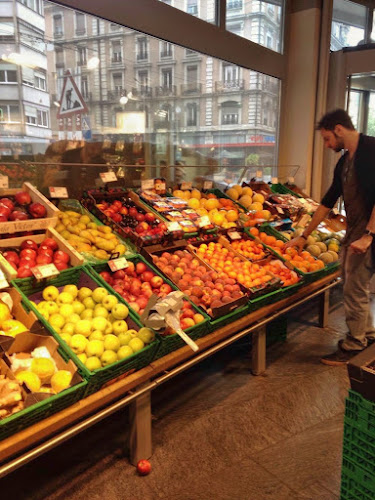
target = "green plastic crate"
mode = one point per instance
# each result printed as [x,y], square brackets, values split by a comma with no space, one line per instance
[41,410]
[168,343]
[276,330]
[359,456]
[230,317]
[352,417]
[282,189]
[265,300]
[363,403]
[81,276]
[359,475]
[356,434]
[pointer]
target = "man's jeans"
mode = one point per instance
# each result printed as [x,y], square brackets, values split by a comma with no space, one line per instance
[357,271]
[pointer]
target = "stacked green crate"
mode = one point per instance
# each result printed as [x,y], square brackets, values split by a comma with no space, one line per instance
[358,466]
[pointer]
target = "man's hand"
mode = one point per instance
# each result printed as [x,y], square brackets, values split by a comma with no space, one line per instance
[299,242]
[361,245]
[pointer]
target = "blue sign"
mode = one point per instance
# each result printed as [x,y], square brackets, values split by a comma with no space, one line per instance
[86,127]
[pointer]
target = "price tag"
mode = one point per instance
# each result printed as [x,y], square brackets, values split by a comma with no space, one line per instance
[45,271]
[147,184]
[204,221]
[274,180]
[291,180]
[186,185]
[259,174]
[173,226]
[160,186]
[58,192]
[4,181]
[280,210]
[117,264]
[108,176]
[3,281]
[208,185]
[234,235]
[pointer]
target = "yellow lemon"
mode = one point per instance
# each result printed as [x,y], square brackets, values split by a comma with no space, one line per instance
[193,203]
[44,368]
[30,379]
[61,380]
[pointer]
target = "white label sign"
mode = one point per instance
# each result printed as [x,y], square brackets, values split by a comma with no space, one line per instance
[45,271]
[108,177]
[147,184]
[186,185]
[204,221]
[3,281]
[173,226]
[117,264]
[234,235]
[4,181]
[275,180]
[58,192]
[208,185]
[291,180]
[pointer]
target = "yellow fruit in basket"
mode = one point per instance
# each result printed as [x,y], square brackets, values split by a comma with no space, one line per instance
[44,368]
[202,202]
[255,206]
[61,380]
[178,193]
[246,201]
[85,219]
[101,254]
[238,188]
[326,257]
[92,225]
[247,191]
[60,227]
[232,215]
[196,194]
[31,380]
[104,229]
[186,195]
[258,198]
[4,313]
[120,248]
[233,193]
[211,204]
[193,203]
[218,218]
[13,327]
[266,214]
[202,211]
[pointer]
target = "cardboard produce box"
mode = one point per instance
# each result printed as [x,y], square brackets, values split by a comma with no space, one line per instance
[361,370]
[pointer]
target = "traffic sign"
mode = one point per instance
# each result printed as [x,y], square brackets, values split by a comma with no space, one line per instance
[86,127]
[71,101]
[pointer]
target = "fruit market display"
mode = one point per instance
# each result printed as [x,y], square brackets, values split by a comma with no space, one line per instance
[87,237]
[30,254]
[20,207]
[138,282]
[287,276]
[9,325]
[93,323]
[322,244]
[248,198]
[205,287]
[250,249]
[11,396]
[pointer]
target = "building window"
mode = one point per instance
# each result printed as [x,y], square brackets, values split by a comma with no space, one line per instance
[165,49]
[269,42]
[59,53]
[114,27]
[234,4]
[166,77]
[31,115]
[82,56]
[142,49]
[57,25]
[190,52]
[230,113]
[143,81]
[9,113]
[348,24]
[80,23]
[191,114]
[40,82]
[42,117]
[116,51]
[35,5]
[117,83]
[8,76]
[84,87]
[192,7]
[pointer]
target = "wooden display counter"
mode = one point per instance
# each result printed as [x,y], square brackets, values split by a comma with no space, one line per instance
[135,389]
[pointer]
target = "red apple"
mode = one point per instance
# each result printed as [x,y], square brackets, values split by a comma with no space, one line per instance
[133,211]
[139,217]
[44,250]
[26,258]
[37,210]
[116,217]
[5,210]
[28,252]
[22,198]
[119,275]
[43,259]
[118,289]
[117,204]
[24,272]
[134,306]
[124,211]
[18,215]
[11,256]
[157,282]
[150,217]
[140,267]
[3,218]
[135,289]
[27,263]
[142,302]
[147,276]
[60,265]
[165,288]
[51,243]
[29,244]
[143,467]
[106,276]
[60,255]
[7,202]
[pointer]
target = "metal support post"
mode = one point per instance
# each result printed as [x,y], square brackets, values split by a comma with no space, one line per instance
[324,309]
[259,350]
[140,440]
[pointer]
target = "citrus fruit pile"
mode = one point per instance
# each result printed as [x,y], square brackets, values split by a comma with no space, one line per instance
[249,249]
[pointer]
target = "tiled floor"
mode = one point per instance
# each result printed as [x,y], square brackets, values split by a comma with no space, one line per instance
[218,432]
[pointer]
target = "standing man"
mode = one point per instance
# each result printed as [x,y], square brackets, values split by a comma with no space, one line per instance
[354,179]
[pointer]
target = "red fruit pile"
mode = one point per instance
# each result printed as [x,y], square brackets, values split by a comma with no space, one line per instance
[20,207]
[137,283]
[205,288]
[30,254]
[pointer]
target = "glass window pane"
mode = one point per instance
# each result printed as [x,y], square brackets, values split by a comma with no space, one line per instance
[371,115]
[204,9]
[348,24]
[257,20]
[373,27]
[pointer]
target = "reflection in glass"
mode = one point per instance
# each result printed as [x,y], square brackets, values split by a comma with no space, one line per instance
[348,24]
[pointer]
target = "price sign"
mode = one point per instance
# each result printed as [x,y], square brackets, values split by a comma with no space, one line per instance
[173,226]
[280,210]
[3,281]
[291,180]
[147,184]
[108,176]
[58,192]
[45,271]
[117,264]
[186,185]
[274,180]
[234,235]
[4,181]
[207,185]
[204,221]
[259,174]
[160,186]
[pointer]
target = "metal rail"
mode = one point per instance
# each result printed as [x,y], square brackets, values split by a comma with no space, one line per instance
[118,405]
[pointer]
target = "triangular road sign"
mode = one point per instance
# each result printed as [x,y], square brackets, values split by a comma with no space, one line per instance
[71,101]
[86,123]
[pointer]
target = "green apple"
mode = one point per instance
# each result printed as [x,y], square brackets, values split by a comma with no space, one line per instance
[119,326]
[120,311]
[93,363]
[100,311]
[108,357]
[66,337]
[99,294]
[64,298]
[68,328]
[109,302]
[56,320]
[51,307]
[82,357]
[50,293]
[88,303]
[136,344]
[72,290]
[95,348]
[124,352]
[146,335]
[83,293]
[125,338]
[87,314]
[78,343]
[67,311]
[99,323]
[83,327]
[109,328]
[96,335]
[78,307]
[111,342]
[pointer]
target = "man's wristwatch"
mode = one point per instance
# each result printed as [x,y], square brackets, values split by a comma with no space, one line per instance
[369,233]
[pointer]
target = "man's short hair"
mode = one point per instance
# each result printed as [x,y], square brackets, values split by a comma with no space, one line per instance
[333,118]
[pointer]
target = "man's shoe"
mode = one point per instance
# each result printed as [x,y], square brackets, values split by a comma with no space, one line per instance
[338,358]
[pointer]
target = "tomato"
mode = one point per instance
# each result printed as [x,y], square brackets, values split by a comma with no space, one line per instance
[143,467]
